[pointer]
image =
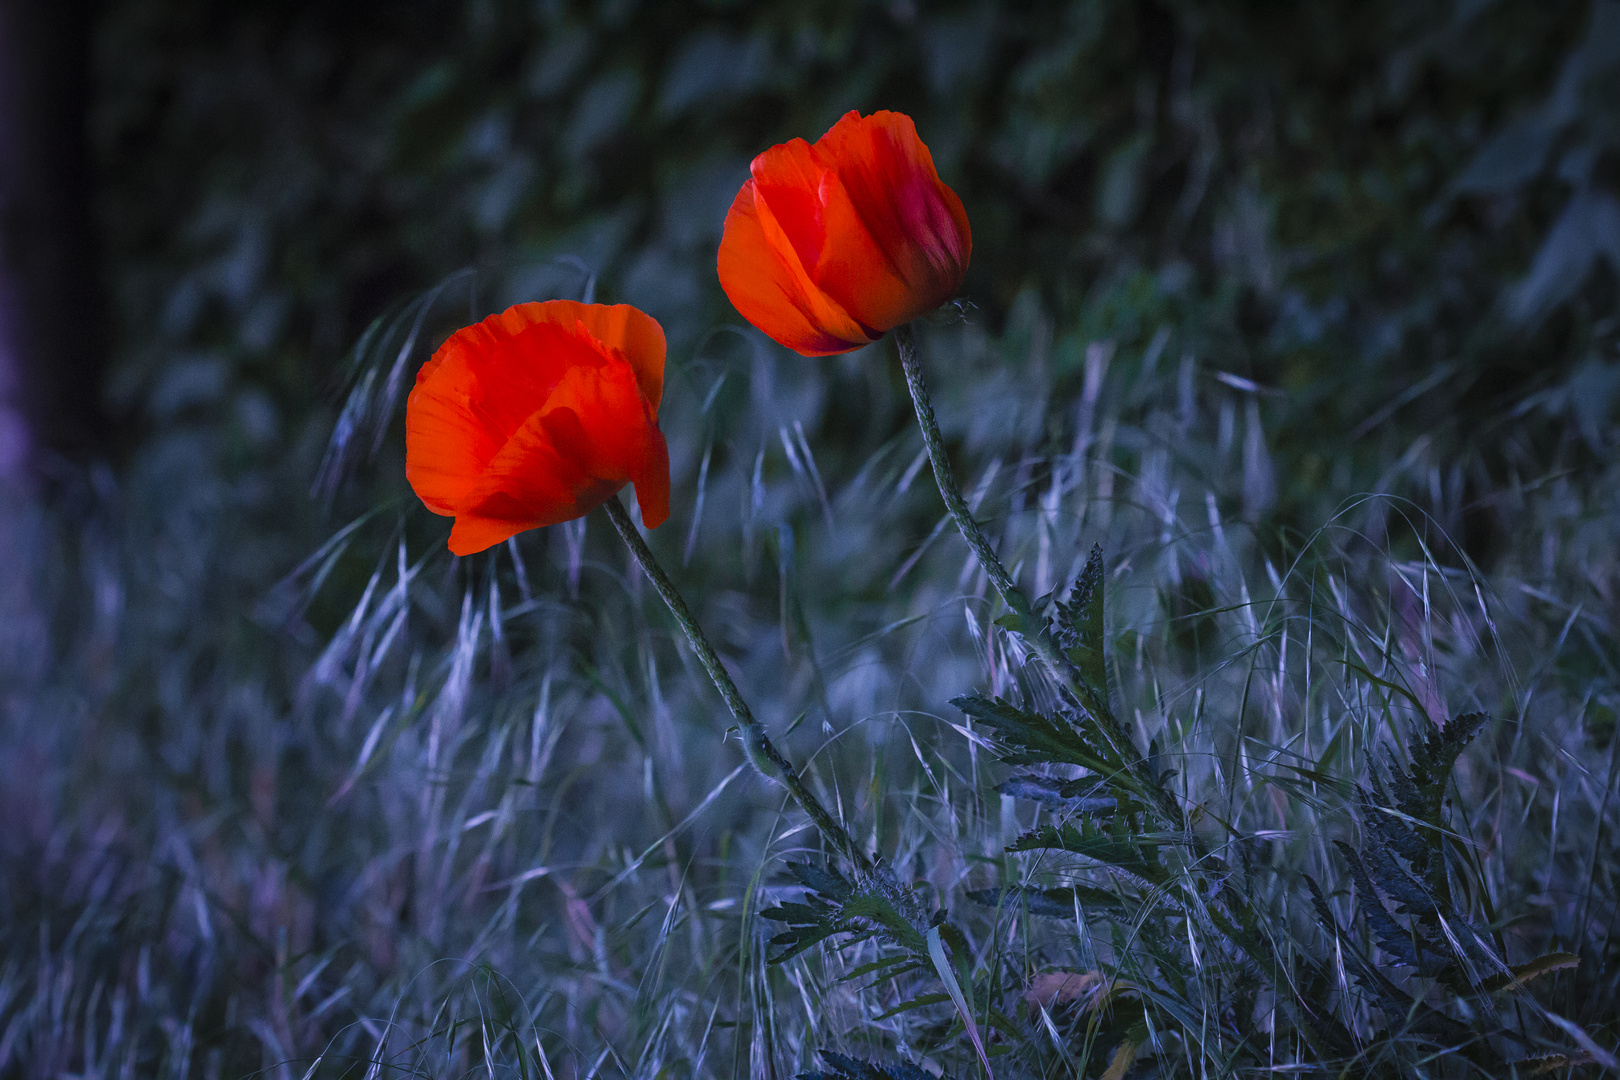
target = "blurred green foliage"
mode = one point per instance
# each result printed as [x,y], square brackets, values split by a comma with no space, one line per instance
[1396,220]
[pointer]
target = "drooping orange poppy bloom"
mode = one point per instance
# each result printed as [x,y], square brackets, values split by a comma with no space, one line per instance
[830,246]
[538,415]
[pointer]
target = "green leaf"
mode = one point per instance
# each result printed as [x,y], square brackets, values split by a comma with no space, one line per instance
[1523,973]
[907,965]
[1087,796]
[1026,738]
[1091,842]
[881,910]
[1059,903]
[1433,760]
[848,1068]
[1010,621]
[876,905]
[1080,626]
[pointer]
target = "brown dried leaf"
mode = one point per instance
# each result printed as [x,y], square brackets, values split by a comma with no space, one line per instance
[1056,987]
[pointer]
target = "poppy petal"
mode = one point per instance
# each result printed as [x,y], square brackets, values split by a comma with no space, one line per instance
[629,331]
[897,204]
[601,425]
[788,178]
[480,387]
[651,479]
[535,416]
[763,276]
[530,483]
[829,246]
[470,534]
[446,446]
[593,434]
[601,422]
[799,186]
[613,419]
[513,361]
[862,276]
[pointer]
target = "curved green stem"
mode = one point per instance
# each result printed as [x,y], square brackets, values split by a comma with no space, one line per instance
[1032,628]
[762,753]
[934,442]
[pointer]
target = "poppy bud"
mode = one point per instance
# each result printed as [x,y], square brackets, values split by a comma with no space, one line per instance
[536,416]
[830,246]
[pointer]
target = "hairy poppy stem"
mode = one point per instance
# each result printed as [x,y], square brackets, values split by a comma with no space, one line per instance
[762,753]
[1029,626]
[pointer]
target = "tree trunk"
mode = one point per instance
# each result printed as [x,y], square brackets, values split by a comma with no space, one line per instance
[52,323]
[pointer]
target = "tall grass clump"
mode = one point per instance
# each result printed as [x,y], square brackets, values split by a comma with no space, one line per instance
[1335,803]
[1266,728]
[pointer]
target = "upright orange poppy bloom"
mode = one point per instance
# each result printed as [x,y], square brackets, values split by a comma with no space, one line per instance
[538,415]
[830,246]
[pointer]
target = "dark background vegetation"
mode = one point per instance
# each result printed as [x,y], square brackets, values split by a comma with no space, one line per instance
[1367,246]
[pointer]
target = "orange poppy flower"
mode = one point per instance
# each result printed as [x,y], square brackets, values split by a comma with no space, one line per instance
[538,415]
[830,246]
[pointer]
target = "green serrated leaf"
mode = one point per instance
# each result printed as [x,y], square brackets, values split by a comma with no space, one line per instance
[848,1068]
[899,929]
[823,880]
[1081,625]
[1110,849]
[1523,973]
[1027,738]
[1058,903]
